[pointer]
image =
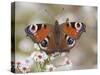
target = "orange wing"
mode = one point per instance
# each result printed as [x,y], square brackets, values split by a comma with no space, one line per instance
[70,31]
[41,34]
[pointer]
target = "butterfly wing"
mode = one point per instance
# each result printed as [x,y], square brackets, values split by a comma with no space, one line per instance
[42,34]
[58,38]
[74,29]
[71,31]
[37,31]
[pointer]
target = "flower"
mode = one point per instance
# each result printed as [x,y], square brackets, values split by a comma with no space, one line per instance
[52,58]
[23,66]
[50,67]
[36,46]
[55,54]
[67,63]
[39,56]
[29,61]
[63,54]
[44,55]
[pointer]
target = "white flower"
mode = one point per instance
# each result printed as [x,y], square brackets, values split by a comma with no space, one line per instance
[63,54]
[67,63]
[45,56]
[39,56]
[50,67]
[29,61]
[52,57]
[36,46]
[23,67]
[55,54]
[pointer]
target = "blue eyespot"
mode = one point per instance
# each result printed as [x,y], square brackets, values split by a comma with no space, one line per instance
[31,29]
[80,27]
[28,32]
[44,44]
[70,41]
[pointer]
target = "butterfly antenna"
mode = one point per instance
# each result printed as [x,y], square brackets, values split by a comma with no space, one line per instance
[61,11]
[49,15]
[52,17]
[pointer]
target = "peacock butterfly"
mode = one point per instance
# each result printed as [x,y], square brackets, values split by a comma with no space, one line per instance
[56,38]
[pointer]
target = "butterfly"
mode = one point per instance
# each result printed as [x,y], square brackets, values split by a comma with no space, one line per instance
[57,37]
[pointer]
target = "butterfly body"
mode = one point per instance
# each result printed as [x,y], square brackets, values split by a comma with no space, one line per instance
[55,38]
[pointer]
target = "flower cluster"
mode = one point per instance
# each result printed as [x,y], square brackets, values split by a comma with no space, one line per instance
[50,67]
[39,56]
[23,67]
[41,60]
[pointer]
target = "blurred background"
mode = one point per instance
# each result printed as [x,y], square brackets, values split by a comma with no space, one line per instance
[83,55]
